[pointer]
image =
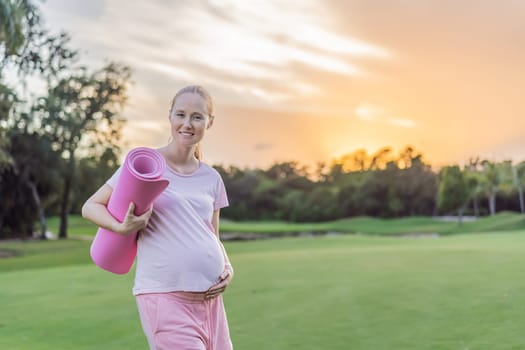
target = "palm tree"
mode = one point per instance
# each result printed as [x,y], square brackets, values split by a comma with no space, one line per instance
[497,177]
[474,176]
[518,177]
[491,181]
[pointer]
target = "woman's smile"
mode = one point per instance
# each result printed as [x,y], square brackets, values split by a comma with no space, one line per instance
[186,133]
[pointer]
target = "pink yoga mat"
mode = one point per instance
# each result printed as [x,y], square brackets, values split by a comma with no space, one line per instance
[140,182]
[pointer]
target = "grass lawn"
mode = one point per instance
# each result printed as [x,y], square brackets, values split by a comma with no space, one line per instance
[505,221]
[333,292]
[77,226]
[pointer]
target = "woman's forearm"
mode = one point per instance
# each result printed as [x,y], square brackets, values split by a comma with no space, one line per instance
[99,215]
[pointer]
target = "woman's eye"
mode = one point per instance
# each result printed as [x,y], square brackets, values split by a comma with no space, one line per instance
[198,117]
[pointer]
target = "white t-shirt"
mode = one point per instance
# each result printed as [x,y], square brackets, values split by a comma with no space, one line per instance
[178,250]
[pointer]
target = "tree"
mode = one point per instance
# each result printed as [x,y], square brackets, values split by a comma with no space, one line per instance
[490,183]
[407,156]
[453,191]
[289,175]
[518,177]
[474,177]
[27,50]
[416,185]
[92,172]
[24,184]
[80,114]
[374,192]
[358,160]
[381,158]
[319,205]
[240,185]
[496,177]
[7,100]
[16,20]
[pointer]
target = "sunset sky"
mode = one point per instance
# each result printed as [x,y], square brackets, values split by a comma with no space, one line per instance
[312,80]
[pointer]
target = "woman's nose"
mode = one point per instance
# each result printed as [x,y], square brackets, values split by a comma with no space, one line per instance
[187,122]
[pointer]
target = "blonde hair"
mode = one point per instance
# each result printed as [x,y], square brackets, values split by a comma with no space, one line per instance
[195,89]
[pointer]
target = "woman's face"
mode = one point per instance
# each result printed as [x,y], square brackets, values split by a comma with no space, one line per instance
[189,119]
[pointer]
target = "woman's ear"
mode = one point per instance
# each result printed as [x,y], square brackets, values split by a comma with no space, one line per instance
[210,121]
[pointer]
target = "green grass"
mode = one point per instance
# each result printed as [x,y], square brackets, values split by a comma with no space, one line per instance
[77,226]
[44,254]
[334,292]
[505,221]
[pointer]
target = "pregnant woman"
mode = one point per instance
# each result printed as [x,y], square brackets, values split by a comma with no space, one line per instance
[182,266]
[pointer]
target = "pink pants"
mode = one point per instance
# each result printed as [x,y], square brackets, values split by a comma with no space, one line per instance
[184,321]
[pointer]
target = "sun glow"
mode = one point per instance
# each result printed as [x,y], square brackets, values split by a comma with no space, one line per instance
[310,80]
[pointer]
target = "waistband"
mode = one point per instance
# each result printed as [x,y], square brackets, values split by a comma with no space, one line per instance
[186,297]
[189,296]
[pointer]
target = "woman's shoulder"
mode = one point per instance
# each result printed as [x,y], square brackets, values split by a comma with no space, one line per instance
[205,167]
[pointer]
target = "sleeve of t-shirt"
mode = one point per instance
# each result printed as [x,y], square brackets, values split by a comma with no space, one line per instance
[221,198]
[113,180]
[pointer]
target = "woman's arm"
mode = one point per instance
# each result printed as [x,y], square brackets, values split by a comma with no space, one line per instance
[95,210]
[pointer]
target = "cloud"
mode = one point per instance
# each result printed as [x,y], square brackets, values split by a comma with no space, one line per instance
[172,70]
[79,9]
[261,146]
[369,112]
[254,45]
[322,39]
[404,123]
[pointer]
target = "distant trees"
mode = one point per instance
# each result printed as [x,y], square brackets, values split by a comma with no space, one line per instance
[454,191]
[381,184]
[518,179]
[395,186]
[356,184]
[26,183]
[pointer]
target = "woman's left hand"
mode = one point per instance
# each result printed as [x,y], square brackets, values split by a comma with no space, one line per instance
[224,280]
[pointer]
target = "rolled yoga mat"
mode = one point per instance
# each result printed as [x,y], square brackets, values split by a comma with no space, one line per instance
[140,181]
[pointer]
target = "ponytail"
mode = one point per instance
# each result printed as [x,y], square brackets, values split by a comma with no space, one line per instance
[198,152]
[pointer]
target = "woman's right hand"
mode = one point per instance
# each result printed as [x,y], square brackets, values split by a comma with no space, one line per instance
[133,223]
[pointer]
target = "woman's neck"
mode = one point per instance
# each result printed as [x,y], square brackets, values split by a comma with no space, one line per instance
[180,158]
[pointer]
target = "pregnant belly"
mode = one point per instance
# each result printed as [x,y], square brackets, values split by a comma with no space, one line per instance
[207,264]
[194,267]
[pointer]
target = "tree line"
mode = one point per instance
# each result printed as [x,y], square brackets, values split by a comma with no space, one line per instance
[382,184]
[60,143]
